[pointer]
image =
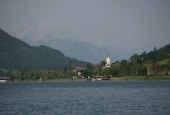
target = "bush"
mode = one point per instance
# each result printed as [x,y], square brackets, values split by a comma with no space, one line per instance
[120,75]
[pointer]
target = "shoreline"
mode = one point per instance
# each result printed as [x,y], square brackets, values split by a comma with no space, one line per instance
[145,78]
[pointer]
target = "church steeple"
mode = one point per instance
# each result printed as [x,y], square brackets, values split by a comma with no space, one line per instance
[107,61]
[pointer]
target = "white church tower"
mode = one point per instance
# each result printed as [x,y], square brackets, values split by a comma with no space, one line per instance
[107,61]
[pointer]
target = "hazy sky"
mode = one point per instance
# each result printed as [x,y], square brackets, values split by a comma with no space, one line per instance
[124,26]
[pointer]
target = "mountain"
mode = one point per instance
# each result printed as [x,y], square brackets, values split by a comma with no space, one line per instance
[16,54]
[64,40]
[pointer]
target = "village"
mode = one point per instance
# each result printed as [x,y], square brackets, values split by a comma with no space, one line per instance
[80,71]
[137,68]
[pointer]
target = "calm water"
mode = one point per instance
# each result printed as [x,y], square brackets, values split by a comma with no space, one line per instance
[86,97]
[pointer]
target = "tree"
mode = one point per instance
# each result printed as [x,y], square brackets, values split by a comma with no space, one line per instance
[71,66]
[129,69]
[134,58]
[123,62]
[115,69]
[143,55]
[89,71]
[89,66]
[106,71]
[65,71]
[155,67]
[102,63]
[142,70]
[155,49]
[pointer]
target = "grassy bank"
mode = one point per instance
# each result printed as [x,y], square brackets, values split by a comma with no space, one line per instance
[146,78]
[46,80]
[134,78]
[51,80]
[114,78]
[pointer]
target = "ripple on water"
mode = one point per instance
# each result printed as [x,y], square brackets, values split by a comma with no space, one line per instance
[70,98]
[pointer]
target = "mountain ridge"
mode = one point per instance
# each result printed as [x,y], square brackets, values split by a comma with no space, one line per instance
[64,40]
[16,54]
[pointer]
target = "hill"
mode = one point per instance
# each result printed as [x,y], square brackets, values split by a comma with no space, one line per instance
[16,54]
[157,55]
[61,38]
[163,62]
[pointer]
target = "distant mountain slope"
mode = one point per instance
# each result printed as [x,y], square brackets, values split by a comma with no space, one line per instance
[16,54]
[64,40]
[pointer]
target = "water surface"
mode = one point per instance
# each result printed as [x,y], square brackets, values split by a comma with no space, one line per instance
[85,98]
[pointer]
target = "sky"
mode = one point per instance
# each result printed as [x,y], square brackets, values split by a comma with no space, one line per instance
[124,26]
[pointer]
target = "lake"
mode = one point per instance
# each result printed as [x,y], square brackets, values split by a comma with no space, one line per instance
[85,98]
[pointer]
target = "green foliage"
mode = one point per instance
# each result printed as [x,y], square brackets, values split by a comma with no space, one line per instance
[141,71]
[16,54]
[134,78]
[134,58]
[115,69]
[35,75]
[89,71]
[102,63]
[123,62]
[154,61]
[146,78]
[89,66]
[120,75]
[155,55]
[158,78]
[163,62]
[106,71]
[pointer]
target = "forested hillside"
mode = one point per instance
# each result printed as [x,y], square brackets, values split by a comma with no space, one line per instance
[16,54]
[155,55]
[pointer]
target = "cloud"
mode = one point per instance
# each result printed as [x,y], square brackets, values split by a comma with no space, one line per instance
[117,24]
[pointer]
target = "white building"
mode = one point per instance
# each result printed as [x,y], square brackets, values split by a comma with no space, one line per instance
[4,79]
[107,61]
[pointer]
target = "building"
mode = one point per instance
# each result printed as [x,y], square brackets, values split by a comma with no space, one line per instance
[107,61]
[79,71]
[4,79]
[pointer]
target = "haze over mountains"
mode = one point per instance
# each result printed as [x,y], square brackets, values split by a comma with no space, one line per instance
[61,38]
[16,54]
